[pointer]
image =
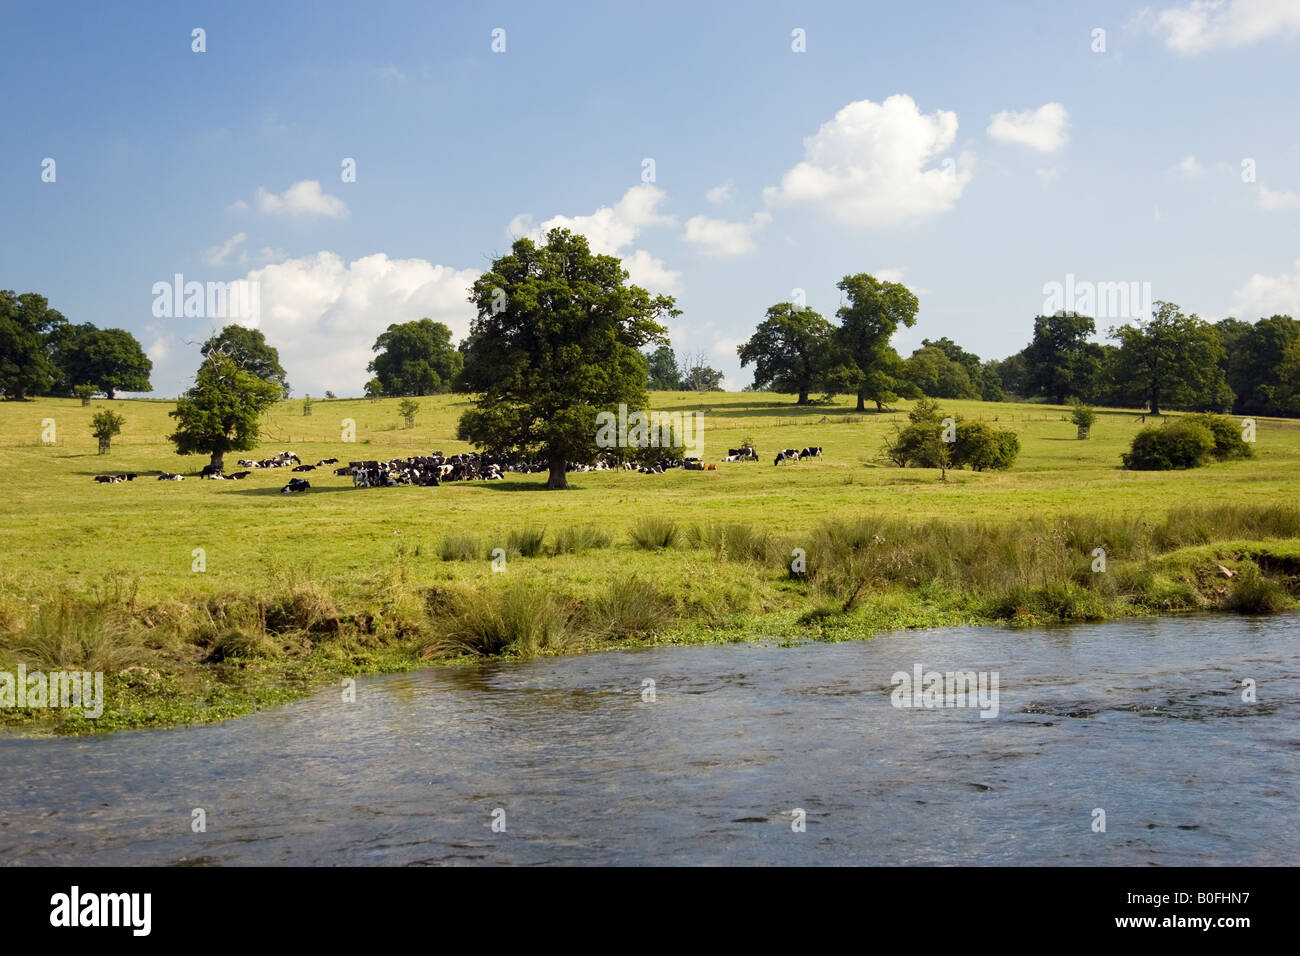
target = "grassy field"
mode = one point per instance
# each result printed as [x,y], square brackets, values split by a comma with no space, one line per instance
[302,589]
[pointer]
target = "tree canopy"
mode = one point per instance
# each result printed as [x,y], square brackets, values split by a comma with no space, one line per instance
[557,339]
[1172,360]
[664,373]
[248,349]
[25,323]
[416,358]
[873,313]
[109,360]
[793,350]
[222,411]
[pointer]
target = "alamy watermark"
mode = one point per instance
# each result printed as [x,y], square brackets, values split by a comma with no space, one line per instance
[649,429]
[237,299]
[58,689]
[1100,300]
[932,689]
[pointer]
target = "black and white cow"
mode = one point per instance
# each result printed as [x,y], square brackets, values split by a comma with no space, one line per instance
[295,485]
[814,451]
[790,454]
[168,476]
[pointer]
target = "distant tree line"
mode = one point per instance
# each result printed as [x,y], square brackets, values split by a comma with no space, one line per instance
[42,353]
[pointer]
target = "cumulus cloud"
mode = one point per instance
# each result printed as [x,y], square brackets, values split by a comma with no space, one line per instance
[873,164]
[720,194]
[611,230]
[718,237]
[1205,25]
[1273,200]
[303,198]
[1190,166]
[1043,129]
[323,315]
[1264,295]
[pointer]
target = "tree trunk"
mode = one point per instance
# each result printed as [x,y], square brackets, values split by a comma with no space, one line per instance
[1155,405]
[85,400]
[104,446]
[862,402]
[219,460]
[803,398]
[559,478]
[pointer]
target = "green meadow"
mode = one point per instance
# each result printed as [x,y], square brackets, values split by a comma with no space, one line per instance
[298,591]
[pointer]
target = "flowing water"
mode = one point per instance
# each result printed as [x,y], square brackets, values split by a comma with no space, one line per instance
[1144,720]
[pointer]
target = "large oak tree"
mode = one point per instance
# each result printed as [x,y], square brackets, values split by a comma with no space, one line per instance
[557,339]
[873,313]
[1172,360]
[794,350]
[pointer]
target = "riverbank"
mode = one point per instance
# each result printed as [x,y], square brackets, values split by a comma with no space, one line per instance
[208,656]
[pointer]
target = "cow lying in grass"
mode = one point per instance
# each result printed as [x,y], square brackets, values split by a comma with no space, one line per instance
[295,485]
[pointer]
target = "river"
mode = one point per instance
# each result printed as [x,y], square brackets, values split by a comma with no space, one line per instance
[574,760]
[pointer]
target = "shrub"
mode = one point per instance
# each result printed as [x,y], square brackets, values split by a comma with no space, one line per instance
[1228,443]
[980,446]
[104,425]
[1176,444]
[1083,416]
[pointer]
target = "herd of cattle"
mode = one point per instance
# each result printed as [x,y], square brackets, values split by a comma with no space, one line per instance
[434,469]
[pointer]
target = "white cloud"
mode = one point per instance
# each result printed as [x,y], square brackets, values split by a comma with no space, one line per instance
[651,274]
[1268,295]
[610,230]
[718,237]
[303,198]
[724,348]
[239,206]
[890,275]
[868,165]
[720,194]
[1190,166]
[217,255]
[323,314]
[1043,129]
[1205,25]
[1273,200]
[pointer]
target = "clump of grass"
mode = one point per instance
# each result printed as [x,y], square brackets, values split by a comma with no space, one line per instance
[575,539]
[629,606]
[654,533]
[525,542]
[72,634]
[305,606]
[1253,593]
[520,617]
[737,541]
[460,547]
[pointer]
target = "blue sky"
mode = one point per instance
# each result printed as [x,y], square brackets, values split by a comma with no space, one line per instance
[973,153]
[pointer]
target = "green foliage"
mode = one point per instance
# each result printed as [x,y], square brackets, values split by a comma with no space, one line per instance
[105,424]
[222,411]
[416,358]
[1172,360]
[794,350]
[517,616]
[980,446]
[407,408]
[931,371]
[1262,364]
[561,344]
[1059,359]
[25,322]
[1228,443]
[1252,593]
[873,313]
[109,360]
[248,350]
[84,392]
[1082,415]
[1175,445]
[664,374]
